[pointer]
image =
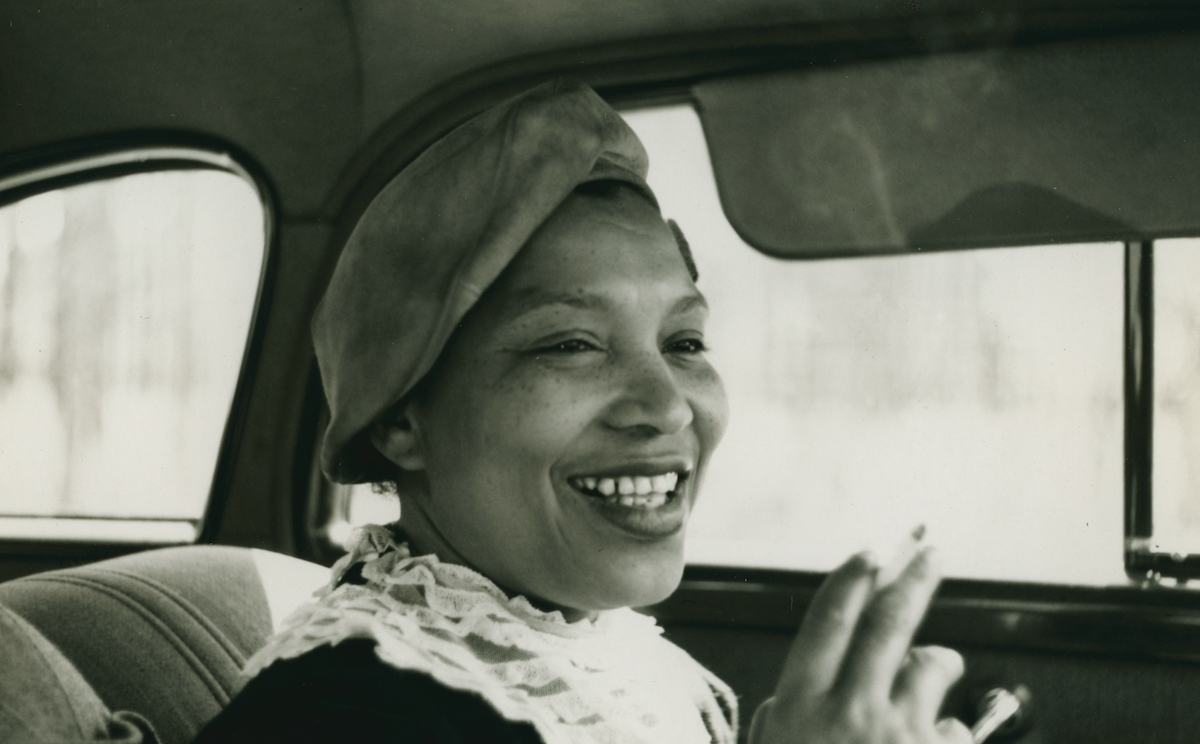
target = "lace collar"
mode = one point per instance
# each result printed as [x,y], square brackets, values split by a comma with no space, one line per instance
[612,678]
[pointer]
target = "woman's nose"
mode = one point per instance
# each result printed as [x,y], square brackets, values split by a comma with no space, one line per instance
[651,399]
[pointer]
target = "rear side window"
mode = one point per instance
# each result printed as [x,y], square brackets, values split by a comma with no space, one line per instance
[125,305]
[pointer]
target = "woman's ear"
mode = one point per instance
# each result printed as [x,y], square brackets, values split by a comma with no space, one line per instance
[399,439]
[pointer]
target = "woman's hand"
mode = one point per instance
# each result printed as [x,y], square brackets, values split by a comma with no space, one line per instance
[851,676]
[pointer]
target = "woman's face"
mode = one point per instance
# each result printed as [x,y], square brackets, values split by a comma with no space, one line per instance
[579,377]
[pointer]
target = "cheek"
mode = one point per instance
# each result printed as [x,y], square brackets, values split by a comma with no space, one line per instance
[710,405]
[498,430]
[538,425]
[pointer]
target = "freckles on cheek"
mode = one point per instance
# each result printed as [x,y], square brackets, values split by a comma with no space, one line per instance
[537,416]
[500,422]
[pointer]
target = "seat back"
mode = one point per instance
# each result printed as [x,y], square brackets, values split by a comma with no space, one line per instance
[43,698]
[165,633]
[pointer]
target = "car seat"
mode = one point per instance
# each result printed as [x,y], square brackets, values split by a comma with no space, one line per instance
[164,633]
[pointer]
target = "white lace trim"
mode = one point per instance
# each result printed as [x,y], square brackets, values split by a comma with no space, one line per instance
[612,679]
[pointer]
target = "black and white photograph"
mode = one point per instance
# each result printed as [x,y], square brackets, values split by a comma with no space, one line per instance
[563,371]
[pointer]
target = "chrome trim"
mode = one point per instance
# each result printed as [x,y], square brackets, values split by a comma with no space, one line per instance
[103,530]
[133,156]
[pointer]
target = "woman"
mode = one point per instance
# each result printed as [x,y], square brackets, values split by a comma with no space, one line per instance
[513,340]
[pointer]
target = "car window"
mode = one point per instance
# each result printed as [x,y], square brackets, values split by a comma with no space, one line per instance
[125,305]
[978,393]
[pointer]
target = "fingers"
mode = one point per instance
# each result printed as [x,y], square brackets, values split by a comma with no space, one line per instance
[850,675]
[816,656]
[921,685]
[886,629]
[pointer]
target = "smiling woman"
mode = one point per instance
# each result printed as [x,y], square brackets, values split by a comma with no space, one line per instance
[513,338]
[511,328]
[583,364]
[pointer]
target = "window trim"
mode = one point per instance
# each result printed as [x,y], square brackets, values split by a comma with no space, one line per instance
[120,530]
[118,162]
[1115,621]
[1142,563]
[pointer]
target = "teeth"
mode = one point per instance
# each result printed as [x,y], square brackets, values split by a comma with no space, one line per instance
[632,490]
[649,501]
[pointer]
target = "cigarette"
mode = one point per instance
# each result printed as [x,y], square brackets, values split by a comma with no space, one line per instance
[908,548]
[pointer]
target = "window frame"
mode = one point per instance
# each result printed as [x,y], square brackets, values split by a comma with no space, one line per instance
[1142,563]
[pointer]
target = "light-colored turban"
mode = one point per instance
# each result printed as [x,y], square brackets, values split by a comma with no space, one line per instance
[437,236]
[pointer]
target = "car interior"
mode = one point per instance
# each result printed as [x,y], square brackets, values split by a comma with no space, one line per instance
[950,247]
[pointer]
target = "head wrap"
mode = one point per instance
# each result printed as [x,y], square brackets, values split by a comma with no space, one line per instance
[437,236]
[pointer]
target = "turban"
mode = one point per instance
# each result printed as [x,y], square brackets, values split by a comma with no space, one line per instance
[437,236]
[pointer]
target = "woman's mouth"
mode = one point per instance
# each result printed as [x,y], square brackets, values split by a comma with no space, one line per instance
[633,491]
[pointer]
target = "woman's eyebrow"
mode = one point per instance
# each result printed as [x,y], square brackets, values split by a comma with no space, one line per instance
[528,300]
[690,302]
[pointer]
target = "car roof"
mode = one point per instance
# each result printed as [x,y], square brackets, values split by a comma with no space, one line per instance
[315,92]
[309,90]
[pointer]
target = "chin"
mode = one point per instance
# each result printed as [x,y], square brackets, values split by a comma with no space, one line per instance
[658,592]
[645,583]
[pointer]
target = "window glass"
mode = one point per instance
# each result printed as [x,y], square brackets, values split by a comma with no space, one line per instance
[125,306]
[1176,470]
[976,392]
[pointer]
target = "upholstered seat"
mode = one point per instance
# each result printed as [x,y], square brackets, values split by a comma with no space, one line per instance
[166,632]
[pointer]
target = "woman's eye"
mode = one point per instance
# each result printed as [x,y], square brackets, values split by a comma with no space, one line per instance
[687,346]
[571,346]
